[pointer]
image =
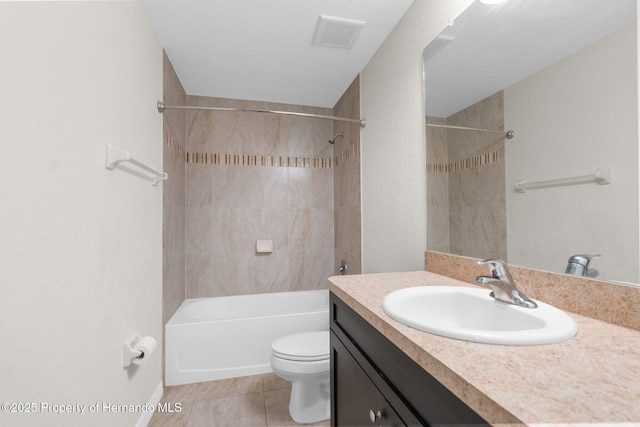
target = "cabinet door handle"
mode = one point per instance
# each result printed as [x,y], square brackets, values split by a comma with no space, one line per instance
[374,415]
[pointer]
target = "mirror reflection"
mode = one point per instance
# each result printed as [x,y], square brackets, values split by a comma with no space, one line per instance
[563,76]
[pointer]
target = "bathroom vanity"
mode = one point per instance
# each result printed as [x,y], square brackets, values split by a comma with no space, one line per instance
[374,382]
[386,373]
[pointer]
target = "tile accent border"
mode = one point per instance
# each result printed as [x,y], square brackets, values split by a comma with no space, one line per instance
[469,163]
[173,146]
[259,160]
[352,150]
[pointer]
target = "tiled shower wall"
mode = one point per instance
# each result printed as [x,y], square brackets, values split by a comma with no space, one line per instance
[250,177]
[466,182]
[173,201]
[437,187]
[237,177]
[346,181]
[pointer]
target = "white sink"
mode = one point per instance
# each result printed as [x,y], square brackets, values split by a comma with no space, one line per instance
[470,314]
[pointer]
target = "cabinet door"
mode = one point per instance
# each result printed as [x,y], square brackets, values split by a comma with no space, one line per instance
[356,400]
[416,396]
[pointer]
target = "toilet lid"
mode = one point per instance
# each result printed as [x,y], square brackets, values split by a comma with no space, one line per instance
[308,346]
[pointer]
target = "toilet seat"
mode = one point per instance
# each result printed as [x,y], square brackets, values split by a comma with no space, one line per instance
[304,360]
[305,347]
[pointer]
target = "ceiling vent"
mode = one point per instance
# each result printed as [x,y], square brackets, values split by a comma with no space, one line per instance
[337,32]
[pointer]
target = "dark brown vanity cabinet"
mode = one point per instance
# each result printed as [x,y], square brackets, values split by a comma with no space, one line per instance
[374,383]
[358,402]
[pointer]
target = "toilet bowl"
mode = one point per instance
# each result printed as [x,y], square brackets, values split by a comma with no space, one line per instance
[303,359]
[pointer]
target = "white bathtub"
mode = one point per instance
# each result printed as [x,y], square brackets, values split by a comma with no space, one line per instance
[224,337]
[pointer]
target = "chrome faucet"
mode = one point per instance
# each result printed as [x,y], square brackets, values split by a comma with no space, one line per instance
[342,269]
[502,284]
[579,265]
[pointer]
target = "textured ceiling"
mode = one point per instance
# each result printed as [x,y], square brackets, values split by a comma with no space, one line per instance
[262,50]
[494,47]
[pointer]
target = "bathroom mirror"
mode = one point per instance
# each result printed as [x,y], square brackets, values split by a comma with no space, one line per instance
[563,76]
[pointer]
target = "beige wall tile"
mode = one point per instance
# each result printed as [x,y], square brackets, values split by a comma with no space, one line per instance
[228,205]
[346,183]
[225,185]
[251,187]
[225,229]
[263,224]
[198,274]
[198,230]
[227,279]
[473,193]
[275,187]
[322,232]
[292,206]
[267,272]
[174,144]
[300,229]
[198,195]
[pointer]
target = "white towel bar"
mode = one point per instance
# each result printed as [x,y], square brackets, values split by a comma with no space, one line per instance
[601,177]
[114,156]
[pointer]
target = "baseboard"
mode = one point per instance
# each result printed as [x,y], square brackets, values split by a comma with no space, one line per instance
[144,419]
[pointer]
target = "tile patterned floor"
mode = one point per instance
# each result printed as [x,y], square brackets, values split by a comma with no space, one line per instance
[255,401]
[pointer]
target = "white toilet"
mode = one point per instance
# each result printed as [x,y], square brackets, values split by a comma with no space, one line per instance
[303,359]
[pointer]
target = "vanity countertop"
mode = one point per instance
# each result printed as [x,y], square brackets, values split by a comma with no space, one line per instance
[592,378]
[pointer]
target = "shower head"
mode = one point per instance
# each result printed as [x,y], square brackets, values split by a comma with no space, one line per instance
[337,135]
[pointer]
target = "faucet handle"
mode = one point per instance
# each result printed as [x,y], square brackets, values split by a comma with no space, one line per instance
[342,269]
[498,267]
[579,265]
[502,284]
[583,259]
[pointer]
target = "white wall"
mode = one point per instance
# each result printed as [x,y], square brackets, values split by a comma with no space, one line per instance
[80,246]
[571,119]
[394,217]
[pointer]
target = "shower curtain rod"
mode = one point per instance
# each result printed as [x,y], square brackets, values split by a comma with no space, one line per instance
[162,107]
[508,134]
